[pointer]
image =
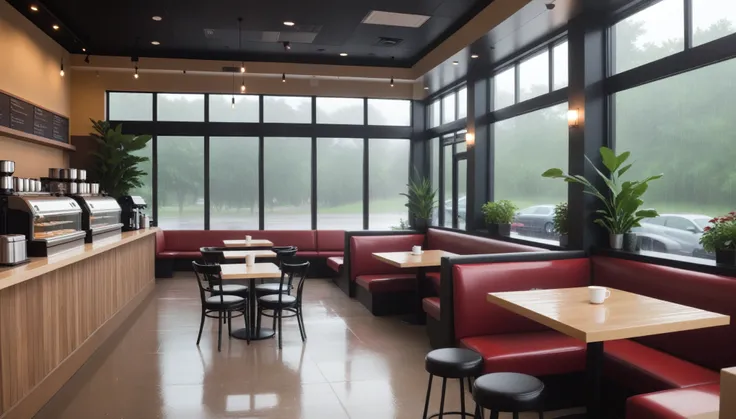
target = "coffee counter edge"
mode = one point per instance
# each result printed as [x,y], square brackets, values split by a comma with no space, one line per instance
[14,275]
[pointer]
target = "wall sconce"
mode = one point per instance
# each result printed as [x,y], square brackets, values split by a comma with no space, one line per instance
[469,138]
[573,118]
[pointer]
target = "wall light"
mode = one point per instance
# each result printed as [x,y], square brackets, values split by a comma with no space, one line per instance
[573,117]
[469,138]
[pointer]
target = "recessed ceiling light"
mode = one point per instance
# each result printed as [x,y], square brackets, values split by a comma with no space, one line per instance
[84,49]
[474,56]
[288,23]
[426,88]
[157,18]
[155,43]
[455,62]
[343,54]
[34,8]
[56,27]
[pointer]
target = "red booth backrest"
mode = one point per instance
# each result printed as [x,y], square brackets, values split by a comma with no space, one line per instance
[331,240]
[160,242]
[715,347]
[465,244]
[475,316]
[362,248]
[192,240]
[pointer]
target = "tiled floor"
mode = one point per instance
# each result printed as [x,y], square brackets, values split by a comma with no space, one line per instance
[353,366]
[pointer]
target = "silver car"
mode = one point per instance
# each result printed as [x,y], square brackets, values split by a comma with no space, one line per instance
[680,232]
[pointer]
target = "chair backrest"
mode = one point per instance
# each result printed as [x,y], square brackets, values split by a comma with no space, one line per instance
[208,277]
[292,270]
[284,253]
[211,255]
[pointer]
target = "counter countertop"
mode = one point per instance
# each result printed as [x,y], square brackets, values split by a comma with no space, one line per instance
[14,275]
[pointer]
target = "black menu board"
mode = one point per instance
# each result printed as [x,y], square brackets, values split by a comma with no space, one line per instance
[22,116]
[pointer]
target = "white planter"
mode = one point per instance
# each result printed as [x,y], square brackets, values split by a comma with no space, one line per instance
[616,241]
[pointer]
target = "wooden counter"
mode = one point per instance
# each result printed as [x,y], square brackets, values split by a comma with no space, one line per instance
[55,312]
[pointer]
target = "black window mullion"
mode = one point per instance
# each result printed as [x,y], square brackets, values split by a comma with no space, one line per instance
[441,181]
[688,4]
[517,84]
[207,165]
[551,58]
[261,182]
[314,183]
[154,163]
[366,182]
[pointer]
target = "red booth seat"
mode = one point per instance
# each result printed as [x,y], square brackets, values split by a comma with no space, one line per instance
[335,263]
[465,244]
[675,404]
[362,262]
[377,284]
[330,243]
[431,306]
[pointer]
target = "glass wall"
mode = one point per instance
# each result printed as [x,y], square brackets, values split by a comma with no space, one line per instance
[389,112]
[180,107]
[340,110]
[340,183]
[388,173]
[130,106]
[180,183]
[287,183]
[287,109]
[246,108]
[234,183]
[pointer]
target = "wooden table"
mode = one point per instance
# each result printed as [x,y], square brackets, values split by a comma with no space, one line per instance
[405,260]
[257,271]
[624,315]
[242,243]
[241,254]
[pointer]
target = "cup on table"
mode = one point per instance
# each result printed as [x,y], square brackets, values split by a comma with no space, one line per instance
[598,295]
[416,250]
[250,260]
[248,239]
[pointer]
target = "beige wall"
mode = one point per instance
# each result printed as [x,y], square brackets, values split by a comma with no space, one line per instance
[30,70]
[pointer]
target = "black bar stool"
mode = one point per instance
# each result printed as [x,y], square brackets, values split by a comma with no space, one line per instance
[451,363]
[508,392]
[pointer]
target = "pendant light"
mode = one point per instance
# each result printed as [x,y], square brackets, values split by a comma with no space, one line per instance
[61,70]
[283,78]
[135,75]
[392,82]
[240,43]
[232,103]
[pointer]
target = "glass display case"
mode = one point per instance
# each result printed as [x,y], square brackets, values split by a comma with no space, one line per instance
[50,223]
[100,216]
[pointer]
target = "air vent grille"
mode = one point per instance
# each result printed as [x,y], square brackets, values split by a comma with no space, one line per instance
[405,20]
[388,42]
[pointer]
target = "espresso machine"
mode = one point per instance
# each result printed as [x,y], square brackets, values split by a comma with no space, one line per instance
[132,216]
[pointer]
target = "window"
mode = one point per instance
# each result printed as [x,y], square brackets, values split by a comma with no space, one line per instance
[534,76]
[339,110]
[650,35]
[145,191]
[560,60]
[434,114]
[682,127]
[389,112]
[504,88]
[130,106]
[434,161]
[462,103]
[181,108]
[448,108]
[447,181]
[462,178]
[340,183]
[287,183]
[388,173]
[713,19]
[234,183]
[526,146]
[181,183]
[246,108]
[287,109]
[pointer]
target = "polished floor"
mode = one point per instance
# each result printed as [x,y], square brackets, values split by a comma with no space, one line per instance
[353,366]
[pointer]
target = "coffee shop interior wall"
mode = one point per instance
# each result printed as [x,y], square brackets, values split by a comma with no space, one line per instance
[29,70]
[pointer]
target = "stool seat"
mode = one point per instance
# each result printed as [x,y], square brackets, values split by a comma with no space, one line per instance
[508,392]
[454,363]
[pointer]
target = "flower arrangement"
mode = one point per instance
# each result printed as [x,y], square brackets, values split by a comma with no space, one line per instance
[720,236]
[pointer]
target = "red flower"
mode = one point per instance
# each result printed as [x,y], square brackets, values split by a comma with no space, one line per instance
[713,220]
[706,229]
[732,212]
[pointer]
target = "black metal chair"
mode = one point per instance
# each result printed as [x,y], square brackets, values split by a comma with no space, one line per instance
[281,302]
[284,253]
[223,305]
[214,256]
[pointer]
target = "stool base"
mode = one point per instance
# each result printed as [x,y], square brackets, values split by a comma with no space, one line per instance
[436,415]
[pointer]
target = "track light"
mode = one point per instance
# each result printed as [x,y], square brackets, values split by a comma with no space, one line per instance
[283,78]
[61,70]
[86,59]
[287,45]
[392,82]
[550,6]
[232,104]
[135,75]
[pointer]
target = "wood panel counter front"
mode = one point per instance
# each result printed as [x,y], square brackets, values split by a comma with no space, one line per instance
[55,312]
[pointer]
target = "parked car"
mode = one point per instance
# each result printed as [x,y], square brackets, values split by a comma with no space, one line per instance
[536,219]
[461,209]
[683,229]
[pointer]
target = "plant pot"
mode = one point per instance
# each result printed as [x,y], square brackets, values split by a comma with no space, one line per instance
[499,229]
[630,242]
[726,257]
[563,240]
[421,224]
[616,241]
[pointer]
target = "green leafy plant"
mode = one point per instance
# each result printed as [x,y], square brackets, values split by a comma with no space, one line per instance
[622,201]
[499,212]
[403,225]
[421,198]
[721,234]
[116,168]
[559,219]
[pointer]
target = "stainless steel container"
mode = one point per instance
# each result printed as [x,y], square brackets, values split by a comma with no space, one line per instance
[54,173]
[7,167]
[39,185]
[6,182]
[82,174]
[72,174]
[72,188]
[32,185]
[94,188]
[12,249]
[26,185]
[18,184]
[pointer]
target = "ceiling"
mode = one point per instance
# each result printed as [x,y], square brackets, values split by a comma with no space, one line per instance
[209,29]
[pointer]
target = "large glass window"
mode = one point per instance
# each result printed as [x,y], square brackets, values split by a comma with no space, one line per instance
[681,127]
[447,180]
[560,60]
[388,173]
[448,108]
[526,146]
[130,106]
[650,34]
[534,76]
[504,88]
[340,183]
[339,110]
[234,183]
[287,109]
[462,103]
[287,183]
[145,191]
[434,114]
[246,108]
[713,19]
[180,107]
[390,112]
[181,183]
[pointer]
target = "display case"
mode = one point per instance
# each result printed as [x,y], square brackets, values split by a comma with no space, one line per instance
[50,223]
[100,216]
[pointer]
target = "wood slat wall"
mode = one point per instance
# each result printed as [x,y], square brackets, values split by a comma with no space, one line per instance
[45,319]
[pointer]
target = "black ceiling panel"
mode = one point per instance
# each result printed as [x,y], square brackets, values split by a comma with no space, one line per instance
[208,29]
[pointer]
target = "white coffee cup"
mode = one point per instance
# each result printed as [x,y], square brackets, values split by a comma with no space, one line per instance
[250,260]
[248,239]
[416,250]
[598,294]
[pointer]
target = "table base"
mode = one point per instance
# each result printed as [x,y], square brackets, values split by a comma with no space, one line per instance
[265,333]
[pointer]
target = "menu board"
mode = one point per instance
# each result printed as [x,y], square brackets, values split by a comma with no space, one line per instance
[22,116]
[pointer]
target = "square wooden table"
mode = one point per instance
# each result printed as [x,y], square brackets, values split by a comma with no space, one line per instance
[242,243]
[242,271]
[406,260]
[241,254]
[624,315]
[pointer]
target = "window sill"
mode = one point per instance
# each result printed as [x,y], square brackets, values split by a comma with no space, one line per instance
[675,261]
[523,240]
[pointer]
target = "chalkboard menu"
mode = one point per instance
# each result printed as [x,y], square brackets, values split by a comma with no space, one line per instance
[22,116]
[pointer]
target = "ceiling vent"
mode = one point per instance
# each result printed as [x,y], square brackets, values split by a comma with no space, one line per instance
[395,19]
[388,42]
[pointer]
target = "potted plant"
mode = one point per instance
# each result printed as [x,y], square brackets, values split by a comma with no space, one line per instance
[421,202]
[720,237]
[559,222]
[498,216]
[623,199]
[116,168]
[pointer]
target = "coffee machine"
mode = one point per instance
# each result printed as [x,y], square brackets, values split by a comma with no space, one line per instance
[7,168]
[132,216]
